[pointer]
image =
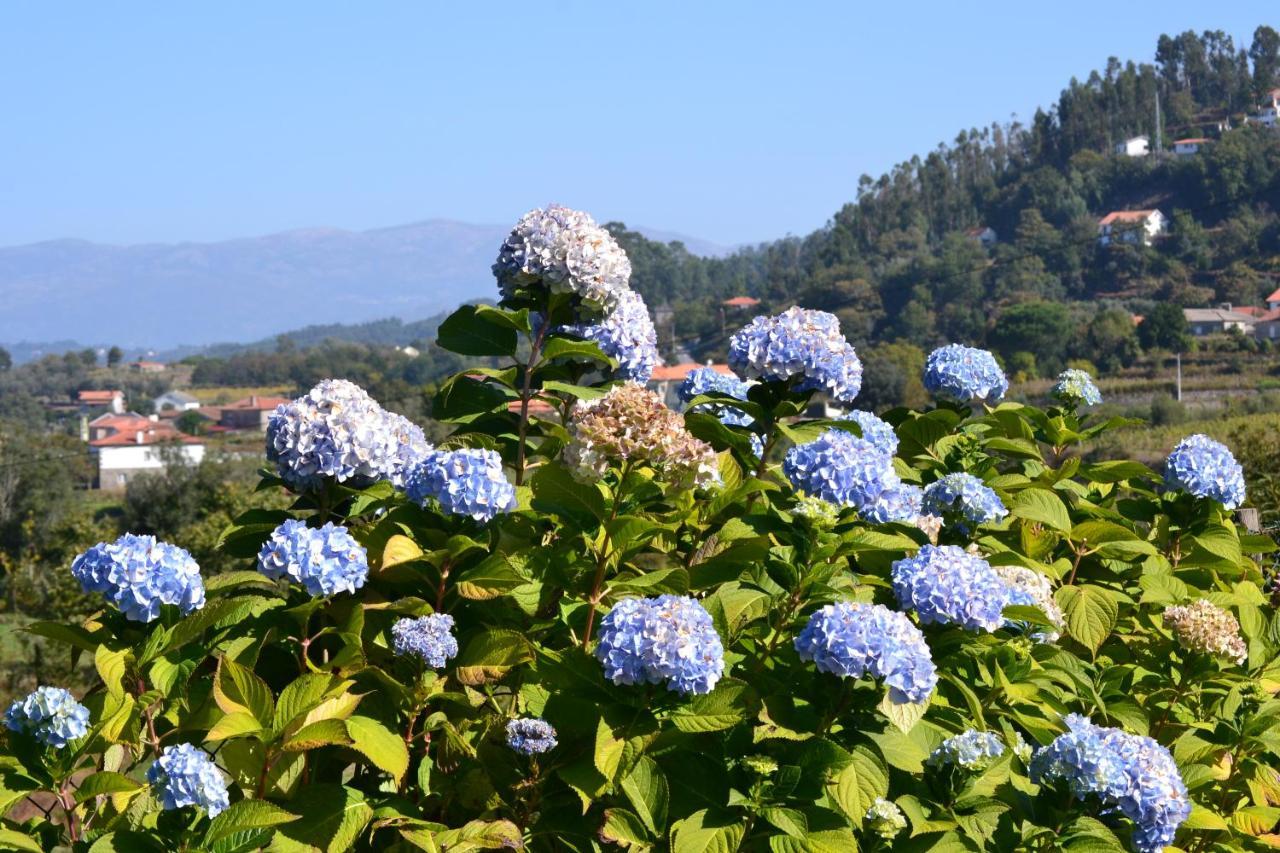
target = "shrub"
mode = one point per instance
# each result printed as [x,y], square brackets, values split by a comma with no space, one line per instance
[599,624]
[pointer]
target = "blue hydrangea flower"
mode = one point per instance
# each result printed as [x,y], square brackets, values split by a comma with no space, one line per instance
[964,373]
[531,735]
[945,584]
[707,380]
[964,498]
[971,750]
[49,714]
[1076,388]
[800,344]
[564,251]
[139,574]
[466,482]
[326,560]
[337,430]
[429,637]
[669,639]
[874,430]
[851,639]
[845,470]
[1206,469]
[184,775]
[626,335]
[896,503]
[1129,773]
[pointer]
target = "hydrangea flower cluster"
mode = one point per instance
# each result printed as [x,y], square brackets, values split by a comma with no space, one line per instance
[429,637]
[627,335]
[630,424]
[1205,628]
[964,497]
[846,470]
[1206,469]
[964,373]
[337,430]
[564,251]
[874,430]
[49,714]
[184,775]
[970,750]
[884,819]
[1075,388]
[468,481]
[852,639]
[531,735]
[708,380]
[139,574]
[1030,588]
[669,639]
[946,584]
[1131,773]
[798,343]
[325,560]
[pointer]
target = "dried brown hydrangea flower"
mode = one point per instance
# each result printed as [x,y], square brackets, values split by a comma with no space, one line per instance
[1204,627]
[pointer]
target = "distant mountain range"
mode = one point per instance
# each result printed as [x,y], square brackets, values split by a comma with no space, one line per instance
[164,296]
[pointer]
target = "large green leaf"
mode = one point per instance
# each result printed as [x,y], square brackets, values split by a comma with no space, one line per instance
[238,688]
[471,332]
[1090,614]
[858,785]
[555,491]
[730,703]
[246,815]
[383,747]
[646,789]
[1043,506]
[707,832]
[105,782]
[331,819]
[490,655]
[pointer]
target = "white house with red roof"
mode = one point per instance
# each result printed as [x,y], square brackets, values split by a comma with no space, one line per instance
[111,400]
[125,446]
[1269,114]
[1131,226]
[1273,301]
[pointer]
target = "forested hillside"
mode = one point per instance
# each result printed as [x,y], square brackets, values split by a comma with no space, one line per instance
[896,264]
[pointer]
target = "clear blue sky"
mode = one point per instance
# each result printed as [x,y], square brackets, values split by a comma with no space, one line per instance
[733,122]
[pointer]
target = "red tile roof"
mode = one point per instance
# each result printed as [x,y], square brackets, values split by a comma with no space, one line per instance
[1269,316]
[741,302]
[676,372]
[1275,297]
[1251,310]
[94,397]
[136,430]
[1195,140]
[1126,216]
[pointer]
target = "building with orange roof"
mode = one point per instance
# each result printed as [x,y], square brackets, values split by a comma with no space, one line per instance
[1131,226]
[129,445]
[111,400]
[252,412]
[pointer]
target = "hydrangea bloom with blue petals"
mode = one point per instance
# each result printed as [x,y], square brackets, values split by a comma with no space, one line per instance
[669,639]
[874,430]
[429,637]
[802,344]
[1030,588]
[325,560]
[964,373]
[531,735]
[708,380]
[184,775]
[1206,469]
[964,496]
[1129,773]
[626,335]
[1076,388]
[971,750]
[945,584]
[564,251]
[841,468]
[852,639]
[896,503]
[139,574]
[468,481]
[49,714]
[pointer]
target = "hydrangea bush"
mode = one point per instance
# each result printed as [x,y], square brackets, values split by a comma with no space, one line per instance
[598,624]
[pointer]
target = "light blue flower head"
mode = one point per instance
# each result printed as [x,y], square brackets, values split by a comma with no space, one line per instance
[667,640]
[962,499]
[184,775]
[139,574]
[626,335]
[531,735]
[1131,773]
[964,373]
[798,344]
[467,482]
[708,380]
[49,714]
[1206,469]
[845,470]
[429,637]
[1076,388]
[325,560]
[945,584]
[563,251]
[971,750]
[874,430]
[852,639]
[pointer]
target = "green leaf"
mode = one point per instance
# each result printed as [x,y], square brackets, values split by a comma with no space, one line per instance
[463,399]
[331,818]
[1203,818]
[72,635]
[1090,614]
[489,655]
[125,841]
[730,703]
[903,715]
[300,696]
[705,832]
[1043,506]
[469,331]
[646,789]
[490,578]
[608,751]
[557,347]
[555,491]
[238,688]
[234,724]
[245,535]
[13,840]
[246,815]
[1221,542]
[399,549]
[379,744]
[318,734]
[111,666]
[623,828]
[858,785]
[105,782]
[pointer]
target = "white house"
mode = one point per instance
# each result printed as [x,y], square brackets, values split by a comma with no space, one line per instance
[1212,321]
[175,402]
[125,446]
[984,234]
[1131,226]
[1187,147]
[1134,146]
[1269,113]
[112,401]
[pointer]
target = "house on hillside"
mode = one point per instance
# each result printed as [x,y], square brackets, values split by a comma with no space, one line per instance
[1215,321]
[1131,226]
[1267,327]
[111,400]
[175,403]
[125,446]
[250,413]
[1187,147]
[666,379]
[1269,113]
[1273,301]
[1134,146]
[145,366]
[984,234]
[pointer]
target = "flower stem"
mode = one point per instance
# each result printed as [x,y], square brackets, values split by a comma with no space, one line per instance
[534,351]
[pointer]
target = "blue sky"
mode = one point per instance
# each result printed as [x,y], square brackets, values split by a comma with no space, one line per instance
[733,122]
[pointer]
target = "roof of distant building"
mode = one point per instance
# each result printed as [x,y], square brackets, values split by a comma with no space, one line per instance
[1251,310]
[256,403]
[1126,216]
[676,372]
[1195,140]
[1274,297]
[741,302]
[1215,315]
[98,396]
